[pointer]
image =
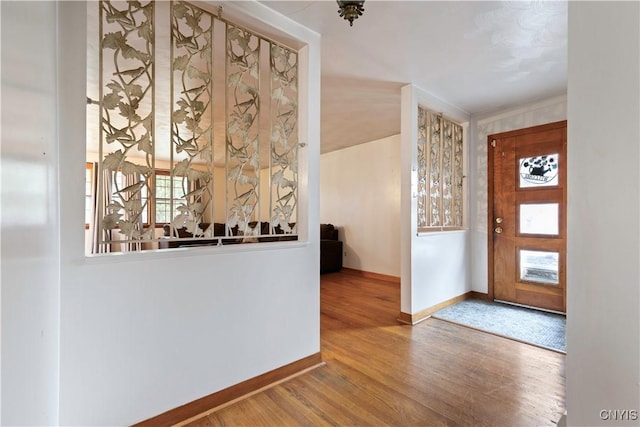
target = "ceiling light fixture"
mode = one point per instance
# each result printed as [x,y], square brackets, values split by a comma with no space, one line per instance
[350,10]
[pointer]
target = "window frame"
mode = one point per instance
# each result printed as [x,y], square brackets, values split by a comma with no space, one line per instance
[151,201]
[91,197]
[154,200]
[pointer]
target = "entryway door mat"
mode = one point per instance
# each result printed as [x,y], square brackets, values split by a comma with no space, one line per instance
[548,330]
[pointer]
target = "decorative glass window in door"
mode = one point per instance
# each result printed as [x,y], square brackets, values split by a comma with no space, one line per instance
[439,172]
[539,267]
[539,171]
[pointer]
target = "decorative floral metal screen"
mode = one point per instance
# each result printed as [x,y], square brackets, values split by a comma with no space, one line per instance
[439,171]
[192,115]
[213,102]
[127,102]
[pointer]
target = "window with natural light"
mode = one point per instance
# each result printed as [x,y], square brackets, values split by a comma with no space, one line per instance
[168,197]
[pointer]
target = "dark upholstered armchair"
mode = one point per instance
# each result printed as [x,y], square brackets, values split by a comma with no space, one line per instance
[330,249]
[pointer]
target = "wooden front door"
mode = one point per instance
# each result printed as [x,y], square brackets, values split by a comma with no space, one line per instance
[527,216]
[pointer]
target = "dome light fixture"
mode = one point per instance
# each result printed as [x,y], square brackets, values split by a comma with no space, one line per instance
[350,10]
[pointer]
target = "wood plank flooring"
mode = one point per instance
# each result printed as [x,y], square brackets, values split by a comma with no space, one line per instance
[379,372]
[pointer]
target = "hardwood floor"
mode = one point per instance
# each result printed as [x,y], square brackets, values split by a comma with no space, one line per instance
[379,372]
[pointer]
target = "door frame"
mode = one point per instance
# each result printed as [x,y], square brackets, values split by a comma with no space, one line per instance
[490,189]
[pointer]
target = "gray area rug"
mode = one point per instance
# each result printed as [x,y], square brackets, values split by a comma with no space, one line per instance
[523,324]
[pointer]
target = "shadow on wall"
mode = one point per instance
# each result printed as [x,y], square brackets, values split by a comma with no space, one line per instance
[352,260]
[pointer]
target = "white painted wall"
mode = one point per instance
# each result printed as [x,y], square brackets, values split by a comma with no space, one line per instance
[30,253]
[533,114]
[142,333]
[435,265]
[603,322]
[360,194]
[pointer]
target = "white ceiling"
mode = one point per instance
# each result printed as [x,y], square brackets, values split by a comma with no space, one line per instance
[478,56]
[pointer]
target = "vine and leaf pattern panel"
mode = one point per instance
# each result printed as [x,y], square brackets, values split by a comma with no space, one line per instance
[458,176]
[192,115]
[439,171]
[127,49]
[284,140]
[199,126]
[447,173]
[434,138]
[243,128]
[421,177]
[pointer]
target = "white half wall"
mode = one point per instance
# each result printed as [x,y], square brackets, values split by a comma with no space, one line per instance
[603,256]
[116,339]
[533,114]
[435,265]
[30,244]
[360,195]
